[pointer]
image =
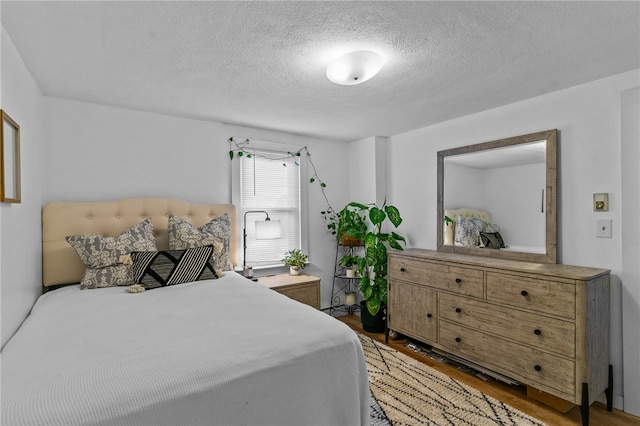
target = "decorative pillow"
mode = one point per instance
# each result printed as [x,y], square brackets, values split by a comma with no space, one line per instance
[102,255]
[467,232]
[217,232]
[491,240]
[155,269]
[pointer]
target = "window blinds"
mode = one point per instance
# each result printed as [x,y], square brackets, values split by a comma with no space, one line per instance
[270,181]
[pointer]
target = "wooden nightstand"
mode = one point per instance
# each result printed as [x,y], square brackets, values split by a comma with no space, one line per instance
[303,288]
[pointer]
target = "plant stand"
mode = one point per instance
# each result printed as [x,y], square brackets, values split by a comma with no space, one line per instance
[343,285]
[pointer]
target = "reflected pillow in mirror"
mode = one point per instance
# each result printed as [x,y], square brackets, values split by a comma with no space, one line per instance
[491,240]
[467,232]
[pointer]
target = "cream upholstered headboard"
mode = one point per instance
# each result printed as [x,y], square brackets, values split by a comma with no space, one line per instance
[468,213]
[61,264]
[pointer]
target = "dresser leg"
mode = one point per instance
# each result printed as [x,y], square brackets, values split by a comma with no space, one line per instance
[609,390]
[584,408]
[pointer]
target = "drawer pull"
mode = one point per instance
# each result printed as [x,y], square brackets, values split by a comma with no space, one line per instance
[537,368]
[402,270]
[458,339]
[458,310]
[524,293]
[458,280]
[429,315]
[537,332]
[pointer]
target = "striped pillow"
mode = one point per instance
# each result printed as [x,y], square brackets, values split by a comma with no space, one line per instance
[155,269]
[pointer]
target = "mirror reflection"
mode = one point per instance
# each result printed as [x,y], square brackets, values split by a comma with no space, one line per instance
[500,198]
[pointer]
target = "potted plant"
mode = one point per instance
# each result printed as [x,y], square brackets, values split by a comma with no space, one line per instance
[351,263]
[296,260]
[351,225]
[373,271]
[448,230]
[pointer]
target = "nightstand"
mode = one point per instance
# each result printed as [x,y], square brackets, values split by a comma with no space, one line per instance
[303,288]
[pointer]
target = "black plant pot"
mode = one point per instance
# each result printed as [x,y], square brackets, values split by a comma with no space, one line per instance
[373,323]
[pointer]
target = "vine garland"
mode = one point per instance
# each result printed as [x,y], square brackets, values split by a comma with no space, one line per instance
[240,149]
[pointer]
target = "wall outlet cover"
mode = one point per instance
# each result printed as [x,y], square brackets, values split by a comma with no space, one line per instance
[603,228]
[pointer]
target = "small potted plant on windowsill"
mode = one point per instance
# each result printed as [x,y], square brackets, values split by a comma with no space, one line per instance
[296,260]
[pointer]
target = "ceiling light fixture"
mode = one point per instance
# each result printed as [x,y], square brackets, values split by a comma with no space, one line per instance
[354,67]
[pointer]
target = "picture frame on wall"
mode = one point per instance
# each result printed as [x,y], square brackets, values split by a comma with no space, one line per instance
[9,160]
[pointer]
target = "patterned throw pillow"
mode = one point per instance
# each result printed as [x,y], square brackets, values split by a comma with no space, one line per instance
[155,269]
[217,232]
[491,240]
[102,255]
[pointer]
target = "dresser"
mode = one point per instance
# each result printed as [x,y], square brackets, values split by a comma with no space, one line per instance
[544,325]
[303,288]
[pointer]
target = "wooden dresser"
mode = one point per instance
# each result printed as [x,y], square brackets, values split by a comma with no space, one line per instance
[544,325]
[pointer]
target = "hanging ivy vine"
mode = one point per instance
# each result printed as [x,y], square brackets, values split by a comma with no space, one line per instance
[242,149]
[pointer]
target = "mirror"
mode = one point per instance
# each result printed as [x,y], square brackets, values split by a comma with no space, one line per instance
[512,179]
[9,160]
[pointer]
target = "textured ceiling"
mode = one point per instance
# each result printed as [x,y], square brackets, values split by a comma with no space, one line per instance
[262,64]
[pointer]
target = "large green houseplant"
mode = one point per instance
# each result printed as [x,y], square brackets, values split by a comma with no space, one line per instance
[373,271]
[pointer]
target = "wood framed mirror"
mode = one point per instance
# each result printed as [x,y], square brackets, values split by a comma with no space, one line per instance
[515,181]
[9,160]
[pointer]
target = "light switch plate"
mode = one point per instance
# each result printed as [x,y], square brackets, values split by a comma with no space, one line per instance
[604,228]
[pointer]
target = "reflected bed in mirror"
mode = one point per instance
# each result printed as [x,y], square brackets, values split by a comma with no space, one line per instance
[501,198]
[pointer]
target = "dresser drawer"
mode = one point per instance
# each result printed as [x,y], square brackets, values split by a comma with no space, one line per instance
[467,281]
[551,297]
[528,365]
[548,334]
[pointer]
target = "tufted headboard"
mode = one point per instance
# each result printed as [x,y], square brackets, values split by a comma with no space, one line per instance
[469,213]
[61,264]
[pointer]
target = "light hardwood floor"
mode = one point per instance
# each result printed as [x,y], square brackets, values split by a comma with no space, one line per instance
[512,395]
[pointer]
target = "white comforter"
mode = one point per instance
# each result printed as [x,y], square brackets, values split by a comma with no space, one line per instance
[220,352]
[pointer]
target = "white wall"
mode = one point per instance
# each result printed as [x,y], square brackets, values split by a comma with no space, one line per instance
[96,152]
[588,120]
[20,234]
[362,171]
[630,153]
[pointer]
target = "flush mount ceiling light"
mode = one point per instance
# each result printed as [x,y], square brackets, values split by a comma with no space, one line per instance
[354,67]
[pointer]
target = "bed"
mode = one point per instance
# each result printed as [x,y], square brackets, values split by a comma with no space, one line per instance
[223,351]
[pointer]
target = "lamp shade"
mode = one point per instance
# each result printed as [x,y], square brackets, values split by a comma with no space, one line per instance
[268,229]
[354,67]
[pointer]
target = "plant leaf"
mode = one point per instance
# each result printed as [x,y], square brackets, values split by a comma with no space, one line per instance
[394,215]
[377,216]
[231,155]
[311,180]
[358,206]
[373,304]
[394,244]
[366,288]
[398,237]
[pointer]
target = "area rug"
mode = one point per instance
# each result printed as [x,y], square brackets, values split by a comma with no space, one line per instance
[408,392]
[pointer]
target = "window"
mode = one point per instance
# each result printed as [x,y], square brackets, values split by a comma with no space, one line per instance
[270,180]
